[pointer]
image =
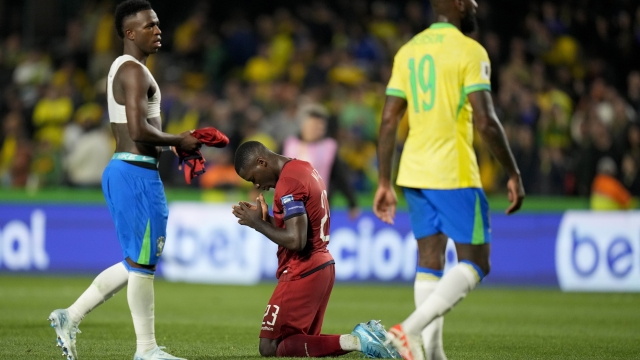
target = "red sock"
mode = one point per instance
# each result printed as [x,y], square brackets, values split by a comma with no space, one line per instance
[310,346]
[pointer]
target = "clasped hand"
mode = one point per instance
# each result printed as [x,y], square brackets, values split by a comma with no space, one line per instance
[249,214]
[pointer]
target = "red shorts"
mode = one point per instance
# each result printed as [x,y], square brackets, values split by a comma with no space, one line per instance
[298,306]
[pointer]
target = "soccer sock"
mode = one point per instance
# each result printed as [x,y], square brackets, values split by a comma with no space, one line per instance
[310,346]
[350,342]
[426,281]
[141,304]
[452,288]
[104,286]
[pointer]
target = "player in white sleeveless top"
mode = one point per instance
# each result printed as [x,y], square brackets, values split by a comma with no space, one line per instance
[131,185]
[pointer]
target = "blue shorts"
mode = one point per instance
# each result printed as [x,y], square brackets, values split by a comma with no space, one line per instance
[461,214]
[138,206]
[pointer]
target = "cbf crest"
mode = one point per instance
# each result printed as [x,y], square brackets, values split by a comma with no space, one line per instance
[159,246]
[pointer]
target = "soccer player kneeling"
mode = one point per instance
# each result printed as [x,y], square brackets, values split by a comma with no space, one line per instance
[300,227]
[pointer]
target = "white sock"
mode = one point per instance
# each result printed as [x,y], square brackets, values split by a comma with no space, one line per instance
[452,288]
[350,343]
[432,334]
[104,286]
[141,304]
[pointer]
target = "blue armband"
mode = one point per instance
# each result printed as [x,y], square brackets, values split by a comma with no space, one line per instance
[291,207]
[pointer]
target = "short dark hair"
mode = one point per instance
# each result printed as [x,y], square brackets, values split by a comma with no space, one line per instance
[317,114]
[128,8]
[246,153]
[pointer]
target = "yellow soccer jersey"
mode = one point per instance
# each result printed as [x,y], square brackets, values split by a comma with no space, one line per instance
[434,72]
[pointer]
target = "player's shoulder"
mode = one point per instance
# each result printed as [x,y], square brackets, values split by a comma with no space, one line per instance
[128,62]
[293,172]
[131,70]
[296,168]
[416,40]
[472,45]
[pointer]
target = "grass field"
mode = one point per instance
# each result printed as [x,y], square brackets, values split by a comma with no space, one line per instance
[222,322]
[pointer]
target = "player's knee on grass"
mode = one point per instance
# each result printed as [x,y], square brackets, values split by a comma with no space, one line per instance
[268,347]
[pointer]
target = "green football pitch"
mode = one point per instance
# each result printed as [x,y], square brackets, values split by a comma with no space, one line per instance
[222,322]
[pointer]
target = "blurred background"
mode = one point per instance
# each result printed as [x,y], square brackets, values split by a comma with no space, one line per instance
[308,78]
[566,85]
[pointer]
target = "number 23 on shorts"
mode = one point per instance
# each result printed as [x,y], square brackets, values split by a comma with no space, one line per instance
[274,315]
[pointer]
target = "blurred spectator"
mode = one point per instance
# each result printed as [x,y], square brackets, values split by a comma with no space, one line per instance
[318,71]
[51,114]
[215,56]
[313,146]
[88,147]
[70,77]
[284,123]
[72,46]
[360,155]
[607,191]
[631,160]
[357,116]
[259,68]
[104,39]
[633,90]
[631,174]
[12,51]
[565,77]
[220,172]
[251,129]
[600,145]
[416,16]
[32,72]
[346,70]
[14,151]
[188,36]
[240,41]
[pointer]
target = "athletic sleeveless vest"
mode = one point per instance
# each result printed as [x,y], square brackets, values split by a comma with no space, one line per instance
[117,112]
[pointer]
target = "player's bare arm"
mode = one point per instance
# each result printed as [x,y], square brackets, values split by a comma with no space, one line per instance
[489,127]
[132,87]
[384,203]
[292,237]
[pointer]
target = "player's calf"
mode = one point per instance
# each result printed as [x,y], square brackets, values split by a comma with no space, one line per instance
[367,338]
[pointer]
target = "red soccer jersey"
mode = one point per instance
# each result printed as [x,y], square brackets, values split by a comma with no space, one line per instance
[300,191]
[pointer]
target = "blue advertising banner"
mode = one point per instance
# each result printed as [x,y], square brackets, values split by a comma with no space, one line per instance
[205,244]
[599,251]
[57,238]
[523,249]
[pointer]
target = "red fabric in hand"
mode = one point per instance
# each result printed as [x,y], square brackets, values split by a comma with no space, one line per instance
[193,162]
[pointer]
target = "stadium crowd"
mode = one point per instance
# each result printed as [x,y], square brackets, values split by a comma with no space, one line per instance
[566,82]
